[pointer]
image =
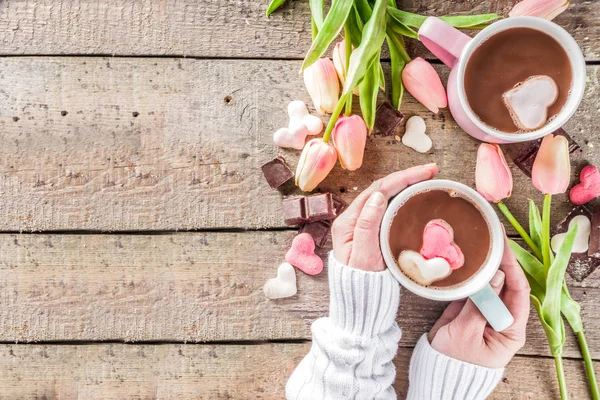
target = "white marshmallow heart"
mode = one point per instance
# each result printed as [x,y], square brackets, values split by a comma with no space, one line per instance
[293,137]
[415,137]
[298,113]
[423,271]
[282,286]
[529,100]
[582,238]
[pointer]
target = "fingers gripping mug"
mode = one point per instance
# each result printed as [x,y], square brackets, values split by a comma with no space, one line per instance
[455,49]
[464,210]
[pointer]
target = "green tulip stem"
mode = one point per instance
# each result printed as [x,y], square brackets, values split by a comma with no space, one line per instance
[519,228]
[348,43]
[403,53]
[334,116]
[589,365]
[560,373]
[546,232]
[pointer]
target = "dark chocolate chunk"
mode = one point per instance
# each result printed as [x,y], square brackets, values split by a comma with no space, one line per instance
[277,172]
[340,205]
[318,230]
[594,249]
[388,119]
[320,207]
[526,157]
[294,210]
[581,265]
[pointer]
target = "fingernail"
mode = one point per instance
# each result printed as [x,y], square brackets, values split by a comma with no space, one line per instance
[498,280]
[430,165]
[376,200]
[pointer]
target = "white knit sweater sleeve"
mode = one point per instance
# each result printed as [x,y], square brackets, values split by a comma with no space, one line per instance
[352,349]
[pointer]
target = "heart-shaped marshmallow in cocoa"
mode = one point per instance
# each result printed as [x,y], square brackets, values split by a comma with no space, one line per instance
[423,271]
[582,238]
[438,241]
[529,100]
[414,135]
[284,285]
[293,138]
[302,255]
[299,114]
[589,188]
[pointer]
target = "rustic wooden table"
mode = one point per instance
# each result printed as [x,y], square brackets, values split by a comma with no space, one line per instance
[137,228]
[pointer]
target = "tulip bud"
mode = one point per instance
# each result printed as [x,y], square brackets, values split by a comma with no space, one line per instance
[423,82]
[492,175]
[316,161]
[339,61]
[322,84]
[547,9]
[349,137]
[551,172]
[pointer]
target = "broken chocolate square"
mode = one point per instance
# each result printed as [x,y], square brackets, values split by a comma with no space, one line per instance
[388,119]
[340,205]
[277,172]
[294,210]
[581,265]
[318,230]
[594,249]
[320,207]
[525,159]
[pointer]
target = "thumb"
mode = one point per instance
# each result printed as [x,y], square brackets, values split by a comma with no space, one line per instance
[366,254]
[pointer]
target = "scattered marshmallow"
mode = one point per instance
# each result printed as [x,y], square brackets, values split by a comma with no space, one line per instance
[589,187]
[284,285]
[293,138]
[415,137]
[582,238]
[302,255]
[423,271]
[299,114]
[528,101]
[438,241]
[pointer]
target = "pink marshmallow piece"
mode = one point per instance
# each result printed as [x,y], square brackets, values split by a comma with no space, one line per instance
[302,255]
[438,241]
[589,188]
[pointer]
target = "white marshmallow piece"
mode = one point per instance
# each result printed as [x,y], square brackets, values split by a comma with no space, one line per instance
[528,101]
[293,138]
[298,114]
[423,271]
[582,238]
[282,286]
[414,135]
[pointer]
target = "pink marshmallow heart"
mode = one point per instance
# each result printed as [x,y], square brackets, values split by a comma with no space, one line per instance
[438,241]
[589,188]
[293,137]
[302,255]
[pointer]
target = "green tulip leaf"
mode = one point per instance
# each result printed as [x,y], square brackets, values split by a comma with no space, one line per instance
[535,224]
[316,10]
[368,88]
[397,66]
[354,27]
[274,5]
[459,21]
[530,264]
[402,29]
[555,336]
[363,9]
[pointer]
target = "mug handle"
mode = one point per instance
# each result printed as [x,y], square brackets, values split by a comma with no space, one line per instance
[443,40]
[492,308]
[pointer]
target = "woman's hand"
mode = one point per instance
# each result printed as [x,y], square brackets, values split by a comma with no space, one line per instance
[462,331]
[355,233]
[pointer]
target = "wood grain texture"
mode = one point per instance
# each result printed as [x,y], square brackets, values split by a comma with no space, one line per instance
[213,28]
[116,371]
[185,287]
[110,144]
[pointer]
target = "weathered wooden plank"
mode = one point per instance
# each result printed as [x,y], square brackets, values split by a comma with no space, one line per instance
[173,144]
[187,287]
[116,371]
[213,28]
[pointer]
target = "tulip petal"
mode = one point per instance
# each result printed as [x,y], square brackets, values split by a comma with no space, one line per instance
[424,84]
[316,161]
[349,137]
[492,174]
[322,83]
[551,172]
[547,9]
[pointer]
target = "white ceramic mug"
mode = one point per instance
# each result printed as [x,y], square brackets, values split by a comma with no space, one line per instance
[477,287]
[454,49]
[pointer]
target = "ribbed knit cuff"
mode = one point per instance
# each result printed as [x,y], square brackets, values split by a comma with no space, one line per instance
[362,303]
[435,376]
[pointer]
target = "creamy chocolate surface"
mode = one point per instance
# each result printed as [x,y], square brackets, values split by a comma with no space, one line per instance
[471,232]
[506,59]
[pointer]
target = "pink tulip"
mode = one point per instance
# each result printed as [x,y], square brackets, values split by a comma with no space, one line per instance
[539,8]
[492,175]
[423,82]
[349,137]
[322,84]
[339,60]
[316,161]
[551,172]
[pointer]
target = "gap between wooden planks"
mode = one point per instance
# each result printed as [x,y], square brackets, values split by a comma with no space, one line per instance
[135,144]
[117,371]
[215,28]
[188,287]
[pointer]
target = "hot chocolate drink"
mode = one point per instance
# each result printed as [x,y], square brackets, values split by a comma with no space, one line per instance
[471,231]
[510,58]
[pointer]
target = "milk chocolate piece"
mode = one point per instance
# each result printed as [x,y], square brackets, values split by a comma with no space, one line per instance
[388,119]
[581,265]
[594,249]
[294,210]
[318,230]
[320,207]
[277,172]
[525,159]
